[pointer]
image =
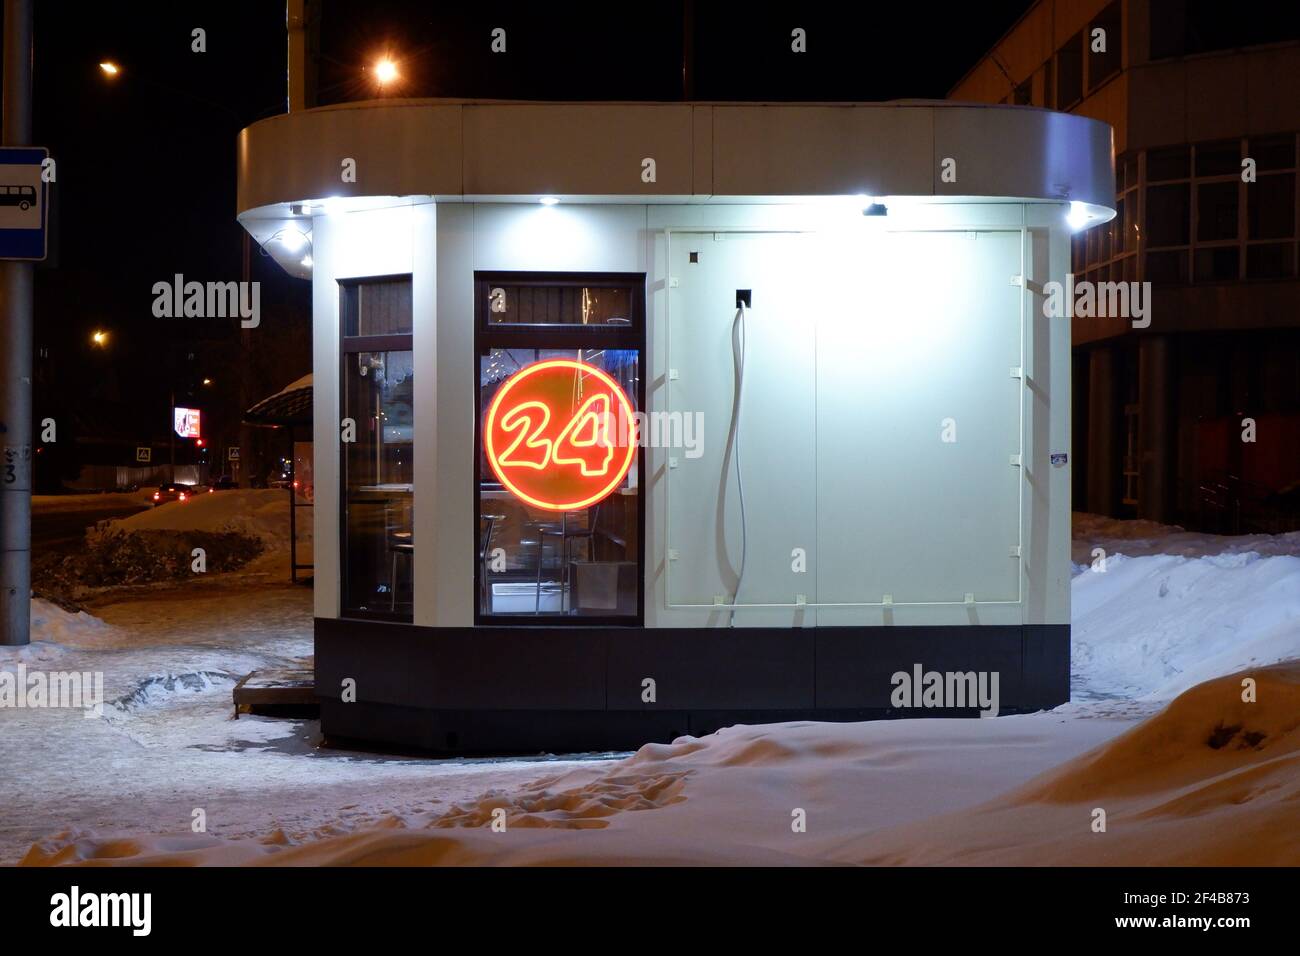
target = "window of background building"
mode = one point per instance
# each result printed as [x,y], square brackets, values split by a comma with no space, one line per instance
[1108,253]
[1069,72]
[1102,66]
[377,477]
[1270,208]
[1203,223]
[1187,27]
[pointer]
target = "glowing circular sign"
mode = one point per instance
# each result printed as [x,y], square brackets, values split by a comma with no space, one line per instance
[560,435]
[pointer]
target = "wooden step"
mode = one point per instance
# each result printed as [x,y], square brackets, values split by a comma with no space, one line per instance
[276,689]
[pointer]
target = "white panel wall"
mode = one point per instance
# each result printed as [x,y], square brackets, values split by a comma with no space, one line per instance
[788,390]
[897,510]
[1048,424]
[445,525]
[345,245]
[563,238]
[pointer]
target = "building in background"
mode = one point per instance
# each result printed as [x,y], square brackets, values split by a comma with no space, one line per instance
[1192,90]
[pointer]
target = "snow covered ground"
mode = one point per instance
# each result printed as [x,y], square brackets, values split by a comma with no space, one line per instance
[1207,778]
[167,745]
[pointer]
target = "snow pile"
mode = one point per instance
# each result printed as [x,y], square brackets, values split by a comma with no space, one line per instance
[159,690]
[1166,609]
[1212,780]
[52,624]
[1138,538]
[1151,627]
[259,513]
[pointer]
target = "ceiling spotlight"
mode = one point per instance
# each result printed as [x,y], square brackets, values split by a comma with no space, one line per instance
[1078,216]
[292,240]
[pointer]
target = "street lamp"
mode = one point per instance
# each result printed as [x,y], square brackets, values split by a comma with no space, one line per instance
[99,338]
[385,71]
[110,68]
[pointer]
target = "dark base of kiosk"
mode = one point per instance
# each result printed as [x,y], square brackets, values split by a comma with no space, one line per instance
[482,690]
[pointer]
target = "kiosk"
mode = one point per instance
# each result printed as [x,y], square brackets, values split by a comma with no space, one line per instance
[637,420]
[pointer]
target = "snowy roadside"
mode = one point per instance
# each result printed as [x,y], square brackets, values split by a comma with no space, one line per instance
[1208,778]
[90,501]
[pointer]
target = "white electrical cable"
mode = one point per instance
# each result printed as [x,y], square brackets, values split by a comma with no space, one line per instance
[733,437]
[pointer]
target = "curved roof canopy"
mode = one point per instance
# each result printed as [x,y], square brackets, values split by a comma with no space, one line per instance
[455,150]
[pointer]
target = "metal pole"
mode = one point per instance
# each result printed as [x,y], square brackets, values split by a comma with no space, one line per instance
[16,362]
[171,431]
[293,508]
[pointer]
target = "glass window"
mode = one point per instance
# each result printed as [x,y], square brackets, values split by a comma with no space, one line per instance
[1217,263]
[1218,159]
[377,307]
[1168,212]
[1187,27]
[377,475]
[1128,167]
[1272,152]
[1123,224]
[1272,260]
[1270,206]
[1216,211]
[558,463]
[1069,72]
[1166,266]
[1105,64]
[1165,164]
[559,304]
[1024,94]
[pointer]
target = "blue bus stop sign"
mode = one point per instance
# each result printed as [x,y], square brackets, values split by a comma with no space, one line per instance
[24,202]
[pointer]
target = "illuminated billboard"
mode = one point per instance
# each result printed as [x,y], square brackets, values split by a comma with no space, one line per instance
[186,422]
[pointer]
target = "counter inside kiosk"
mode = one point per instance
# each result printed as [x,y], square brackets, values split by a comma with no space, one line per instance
[671,416]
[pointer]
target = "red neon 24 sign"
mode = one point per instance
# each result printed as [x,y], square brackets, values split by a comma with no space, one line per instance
[560,435]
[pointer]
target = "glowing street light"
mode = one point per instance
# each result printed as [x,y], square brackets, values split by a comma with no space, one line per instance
[385,71]
[207,381]
[110,68]
[99,338]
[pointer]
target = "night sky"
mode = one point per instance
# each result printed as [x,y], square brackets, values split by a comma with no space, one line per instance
[146,169]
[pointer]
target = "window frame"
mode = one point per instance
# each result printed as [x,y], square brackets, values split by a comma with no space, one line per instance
[543,335]
[349,346]
[1243,242]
